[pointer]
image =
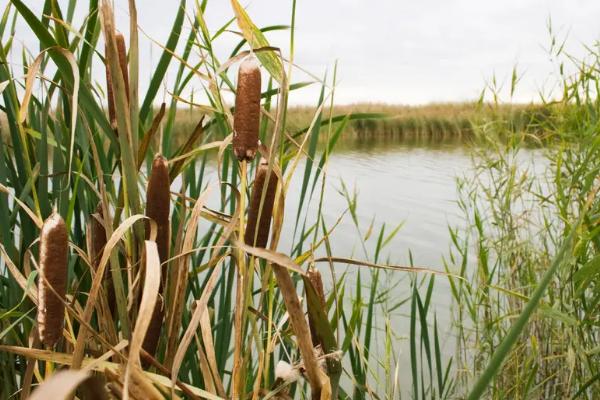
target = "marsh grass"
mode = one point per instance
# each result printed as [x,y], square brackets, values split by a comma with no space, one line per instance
[231,311]
[426,124]
[526,310]
[523,274]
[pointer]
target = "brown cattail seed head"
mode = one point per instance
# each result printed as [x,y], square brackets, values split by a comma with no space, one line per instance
[98,242]
[246,120]
[150,343]
[157,208]
[98,237]
[158,203]
[314,276]
[255,227]
[122,54]
[53,274]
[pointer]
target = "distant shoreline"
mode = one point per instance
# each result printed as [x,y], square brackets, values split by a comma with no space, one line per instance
[436,119]
[442,120]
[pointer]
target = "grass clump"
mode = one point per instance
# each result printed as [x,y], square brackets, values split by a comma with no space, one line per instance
[526,304]
[193,297]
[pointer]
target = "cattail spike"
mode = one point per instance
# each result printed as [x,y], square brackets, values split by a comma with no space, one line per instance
[257,230]
[158,199]
[110,94]
[314,276]
[157,208]
[246,120]
[122,54]
[98,242]
[54,249]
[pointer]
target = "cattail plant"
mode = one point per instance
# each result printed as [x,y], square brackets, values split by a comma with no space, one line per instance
[257,234]
[157,209]
[97,244]
[259,217]
[122,52]
[53,283]
[315,279]
[246,120]
[98,236]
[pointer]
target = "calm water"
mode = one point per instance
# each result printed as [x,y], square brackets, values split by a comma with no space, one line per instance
[400,184]
[409,184]
[396,184]
[414,186]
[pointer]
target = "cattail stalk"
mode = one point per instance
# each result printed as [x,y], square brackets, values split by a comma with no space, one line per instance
[259,218]
[122,52]
[257,235]
[52,286]
[246,120]
[157,209]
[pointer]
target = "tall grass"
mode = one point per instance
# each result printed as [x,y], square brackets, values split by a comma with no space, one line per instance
[239,321]
[525,308]
[228,312]
[428,124]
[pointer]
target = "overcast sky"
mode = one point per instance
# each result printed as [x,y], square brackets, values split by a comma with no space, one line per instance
[395,51]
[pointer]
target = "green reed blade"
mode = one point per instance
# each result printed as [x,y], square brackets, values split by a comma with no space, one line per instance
[517,327]
[163,64]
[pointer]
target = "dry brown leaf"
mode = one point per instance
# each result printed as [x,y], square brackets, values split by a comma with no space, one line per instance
[66,359]
[140,385]
[300,327]
[174,320]
[207,375]
[31,73]
[106,356]
[381,266]
[149,295]
[36,219]
[21,280]
[96,284]
[271,256]
[60,386]
[209,348]
[201,308]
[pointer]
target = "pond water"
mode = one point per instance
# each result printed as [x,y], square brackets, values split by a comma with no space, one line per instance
[414,185]
[399,184]
[396,183]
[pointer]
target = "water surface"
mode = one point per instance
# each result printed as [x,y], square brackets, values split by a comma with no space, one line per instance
[411,184]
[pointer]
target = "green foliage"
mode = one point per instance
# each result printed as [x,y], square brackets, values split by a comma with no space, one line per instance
[59,150]
[526,306]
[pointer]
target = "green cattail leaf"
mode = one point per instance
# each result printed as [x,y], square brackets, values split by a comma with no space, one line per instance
[257,40]
[312,149]
[87,101]
[244,41]
[517,327]
[163,64]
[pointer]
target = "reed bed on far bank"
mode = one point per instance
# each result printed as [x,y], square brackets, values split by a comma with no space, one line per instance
[428,124]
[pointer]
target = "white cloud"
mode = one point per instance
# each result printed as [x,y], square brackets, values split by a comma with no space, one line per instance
[394,50]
